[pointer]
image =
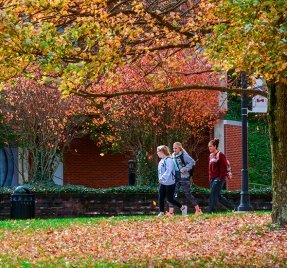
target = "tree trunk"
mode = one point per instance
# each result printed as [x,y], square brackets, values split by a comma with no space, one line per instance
[278,134]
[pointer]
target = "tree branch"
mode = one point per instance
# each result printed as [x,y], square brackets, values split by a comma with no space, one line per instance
[190,73]
[168,90]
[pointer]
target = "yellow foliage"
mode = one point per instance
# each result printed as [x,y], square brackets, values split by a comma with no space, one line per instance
[57,35]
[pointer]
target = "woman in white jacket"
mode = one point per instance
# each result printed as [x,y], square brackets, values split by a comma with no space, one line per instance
[166,177]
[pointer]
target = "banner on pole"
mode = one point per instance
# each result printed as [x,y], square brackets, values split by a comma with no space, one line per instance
[259,103]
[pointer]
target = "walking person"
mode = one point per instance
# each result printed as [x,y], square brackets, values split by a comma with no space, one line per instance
[218,173]
[184,164]
[166,173]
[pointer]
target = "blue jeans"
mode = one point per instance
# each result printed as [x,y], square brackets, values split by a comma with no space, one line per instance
[216,186]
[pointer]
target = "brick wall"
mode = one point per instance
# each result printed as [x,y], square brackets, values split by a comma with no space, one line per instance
[233,152]
[53,205]
[83,165]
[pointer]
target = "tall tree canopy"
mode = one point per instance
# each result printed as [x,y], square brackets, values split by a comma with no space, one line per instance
[79,43]
[252,36]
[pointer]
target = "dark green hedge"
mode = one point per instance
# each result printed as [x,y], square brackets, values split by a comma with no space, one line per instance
[52,188]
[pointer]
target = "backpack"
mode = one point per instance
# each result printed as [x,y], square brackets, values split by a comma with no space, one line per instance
[184,164]
[176,175]
[229,173]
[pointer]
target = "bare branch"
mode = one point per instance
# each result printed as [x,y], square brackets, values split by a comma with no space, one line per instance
[191,73]
[168,90]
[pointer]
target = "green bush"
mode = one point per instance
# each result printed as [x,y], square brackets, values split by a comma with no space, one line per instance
[146,170]
[49,187]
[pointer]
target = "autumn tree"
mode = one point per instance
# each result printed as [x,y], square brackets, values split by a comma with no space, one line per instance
[251,36]
[139,125]
[42,123]
[78,43]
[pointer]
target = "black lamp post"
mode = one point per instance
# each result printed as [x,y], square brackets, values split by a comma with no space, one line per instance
[132,172]
[244,195]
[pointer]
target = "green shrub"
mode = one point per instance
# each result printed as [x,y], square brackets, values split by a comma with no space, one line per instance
[49,187]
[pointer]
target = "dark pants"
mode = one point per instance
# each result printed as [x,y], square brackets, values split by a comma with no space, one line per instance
[216,186]
[185,185]
[168,192]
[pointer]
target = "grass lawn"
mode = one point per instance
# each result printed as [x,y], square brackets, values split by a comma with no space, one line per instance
[218,240]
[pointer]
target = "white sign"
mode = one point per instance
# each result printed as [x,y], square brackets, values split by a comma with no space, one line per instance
[259,104]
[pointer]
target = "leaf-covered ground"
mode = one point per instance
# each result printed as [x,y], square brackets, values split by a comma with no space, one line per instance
[223,240]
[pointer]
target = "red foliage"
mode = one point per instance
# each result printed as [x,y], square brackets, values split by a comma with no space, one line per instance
[42,121]
[166,117]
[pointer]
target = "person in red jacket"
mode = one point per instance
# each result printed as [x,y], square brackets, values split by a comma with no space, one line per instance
[218,173]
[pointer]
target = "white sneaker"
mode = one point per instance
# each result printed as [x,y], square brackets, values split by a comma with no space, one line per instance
[160,214]
[184,210]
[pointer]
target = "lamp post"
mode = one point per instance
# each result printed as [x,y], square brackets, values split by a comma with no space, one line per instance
[132,172]
[244,195]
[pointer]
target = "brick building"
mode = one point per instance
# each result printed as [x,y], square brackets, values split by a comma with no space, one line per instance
[85,165]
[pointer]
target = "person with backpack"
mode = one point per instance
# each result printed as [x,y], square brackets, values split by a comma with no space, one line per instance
[184,163]
[166,173]
[219,170]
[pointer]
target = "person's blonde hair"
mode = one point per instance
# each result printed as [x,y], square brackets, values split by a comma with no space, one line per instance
[164,149]
[177,143]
